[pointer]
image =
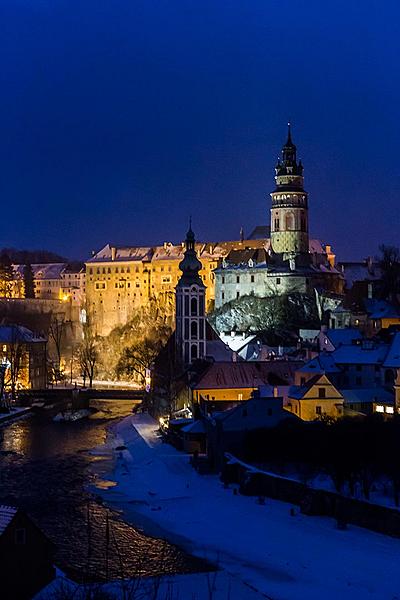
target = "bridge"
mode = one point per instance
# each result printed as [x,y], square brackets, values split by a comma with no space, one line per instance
[78,396]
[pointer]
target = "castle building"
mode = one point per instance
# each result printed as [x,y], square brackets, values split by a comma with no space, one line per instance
[190,333]
[288,261]
[121,281]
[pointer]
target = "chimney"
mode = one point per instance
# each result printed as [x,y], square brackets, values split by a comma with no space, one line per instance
[113,252]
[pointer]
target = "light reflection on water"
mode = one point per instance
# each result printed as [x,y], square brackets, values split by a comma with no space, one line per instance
[44,469]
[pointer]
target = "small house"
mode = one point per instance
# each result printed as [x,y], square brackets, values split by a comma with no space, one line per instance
[26,555]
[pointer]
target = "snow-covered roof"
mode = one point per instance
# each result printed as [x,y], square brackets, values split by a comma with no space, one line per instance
[7,513]
[380,309]
[218,351]
[238,341]
[392,359]
[343,337]
[195,427]
[323,363]
[367,396]
[10,334]
[361,354]
[359,271]
[43,270]
[122,253]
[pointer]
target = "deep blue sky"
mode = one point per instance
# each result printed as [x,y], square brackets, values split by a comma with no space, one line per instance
[120,118]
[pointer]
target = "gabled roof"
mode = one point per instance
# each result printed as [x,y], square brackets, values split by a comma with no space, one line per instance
[233,375]
[7,513]
[43,270]
[392,359]
[367,396]
[299,391]
[122,254]
[323,363]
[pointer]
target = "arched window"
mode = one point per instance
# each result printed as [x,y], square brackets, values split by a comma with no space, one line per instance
[194,351]
[303,222]
[193,330]
[193,307]
[289,222]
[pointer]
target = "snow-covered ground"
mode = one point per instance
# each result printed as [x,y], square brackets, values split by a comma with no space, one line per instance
[15,413]
[283,557]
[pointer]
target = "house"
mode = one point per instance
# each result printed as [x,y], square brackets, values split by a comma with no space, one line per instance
[368,400]
[226,431]
[317,398]
[224,383]
[24,355]
[330,339]
[26,564]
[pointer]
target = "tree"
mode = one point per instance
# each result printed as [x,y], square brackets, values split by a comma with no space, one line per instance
[87,356]
[389,264]
[28,281]
[14,356]
[137,358]
[6,276]
[57,335]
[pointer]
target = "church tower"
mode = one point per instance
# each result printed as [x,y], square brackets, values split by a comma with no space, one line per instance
[289,211]
[190,333]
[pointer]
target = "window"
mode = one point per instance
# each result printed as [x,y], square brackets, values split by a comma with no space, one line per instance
[166,279]
[223,279]
[321,393]
[240,396]
[318,410]
[302,380]
[252,279]
[237,279]
[194,351]
[193,330]
[276,225]
[100,285]
[20,536]
[278,281]
[237,294]
[223,296]
[193,307]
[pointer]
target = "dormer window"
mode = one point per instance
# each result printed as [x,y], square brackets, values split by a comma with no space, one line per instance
[251,262]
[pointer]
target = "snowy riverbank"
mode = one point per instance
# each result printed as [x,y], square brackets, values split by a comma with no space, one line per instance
[284,557]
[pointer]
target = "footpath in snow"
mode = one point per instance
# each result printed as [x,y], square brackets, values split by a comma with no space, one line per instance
[260,547]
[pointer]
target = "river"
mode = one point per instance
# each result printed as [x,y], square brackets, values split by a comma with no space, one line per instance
[45,469]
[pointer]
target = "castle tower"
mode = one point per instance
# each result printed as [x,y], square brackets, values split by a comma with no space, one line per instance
[289,211]
[190,317]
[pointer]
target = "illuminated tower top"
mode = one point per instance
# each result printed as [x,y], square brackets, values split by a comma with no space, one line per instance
[289,211]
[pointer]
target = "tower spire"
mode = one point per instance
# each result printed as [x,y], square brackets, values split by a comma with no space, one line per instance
[289,134]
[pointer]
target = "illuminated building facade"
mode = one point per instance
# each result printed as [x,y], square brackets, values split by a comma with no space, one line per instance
[190,336]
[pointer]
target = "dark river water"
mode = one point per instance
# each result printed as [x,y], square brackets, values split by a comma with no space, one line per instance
[45,468]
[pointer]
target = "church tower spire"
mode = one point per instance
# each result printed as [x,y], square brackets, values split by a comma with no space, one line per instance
[190,319]
[289,211]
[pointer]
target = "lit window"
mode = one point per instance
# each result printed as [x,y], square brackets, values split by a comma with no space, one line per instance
[389,410]
[379,408]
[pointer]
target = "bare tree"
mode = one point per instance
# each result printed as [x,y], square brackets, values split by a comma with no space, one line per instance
[57,331]
[87,356]
[14,357]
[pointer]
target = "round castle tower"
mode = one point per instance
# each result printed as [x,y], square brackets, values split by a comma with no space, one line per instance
[289,211]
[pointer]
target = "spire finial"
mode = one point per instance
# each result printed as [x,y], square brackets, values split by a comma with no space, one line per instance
[289,135]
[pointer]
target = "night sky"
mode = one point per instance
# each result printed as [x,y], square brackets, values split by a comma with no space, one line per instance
[119,119]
